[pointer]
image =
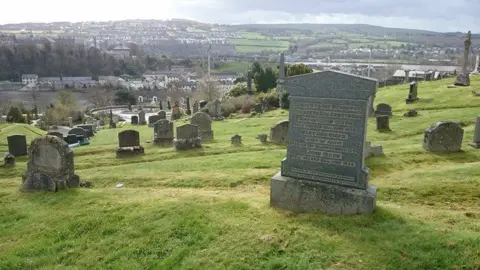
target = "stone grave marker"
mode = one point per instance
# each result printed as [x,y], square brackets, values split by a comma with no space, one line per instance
[279,132]
[88,128]
[217,110]
[463,78]
[411,113]
[443,137]
[162,115]
[141,118]
[383,109]
[236,140]
[204,123]
[413,93]
[262,138]
[78,131]
[476,135]
[50,165]
[134,120]
[324,169]
[9,160]
[129,143]
[17,145]
[163,132]
[187,137]
[71,139]
[188,111]
[383,122]
[195,107]
[153,119]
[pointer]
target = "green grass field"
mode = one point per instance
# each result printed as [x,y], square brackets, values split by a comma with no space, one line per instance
[209,208]
[257,45]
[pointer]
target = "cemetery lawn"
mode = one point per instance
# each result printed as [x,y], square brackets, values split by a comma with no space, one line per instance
[209,208]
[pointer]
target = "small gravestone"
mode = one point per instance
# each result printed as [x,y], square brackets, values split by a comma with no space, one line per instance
[113,124]
[411,113]
[17,145]
[176,112]
[279,132]
[217,111]
[413,93]
[236,140]
[383,122]
[187,137]
[204,123]
[9,160]
[195,107]
[57,134]
[129,144]
[50,166]
[88,128]
[476,135]
[443,137]
[78,131]
[373,150]
[258,108]
[141,118]
[383,109]
[262,138]
[188,111]
[72,139]
[324,170]
[163,132]
[134,120]
[153,119]
[162,115]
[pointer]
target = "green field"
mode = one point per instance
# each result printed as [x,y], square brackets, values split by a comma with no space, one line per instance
[259,45]
[209,208]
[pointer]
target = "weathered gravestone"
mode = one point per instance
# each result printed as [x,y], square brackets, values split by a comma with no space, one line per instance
[236,140]
[383,122]
[57,134]
[17,145]
[88,128]
[129,144]
[187,137]
[413,93]
[411,113]
[262,138]
[78,131]
[162,115]
[476,135]
[134,120]
[324,169]
[153,119]
[204,123]
[383,109]
[9,160]
[141,118]
[163,132]
[443,137]
[463,78]
[50,165]
[279,132]
[372,150]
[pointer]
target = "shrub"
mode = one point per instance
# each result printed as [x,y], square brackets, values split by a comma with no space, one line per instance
[284,101]
[247,108]
[236,104]
[238,89]
[15,115]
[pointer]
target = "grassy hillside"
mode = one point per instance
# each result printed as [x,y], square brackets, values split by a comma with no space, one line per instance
[209,208]
[7,129]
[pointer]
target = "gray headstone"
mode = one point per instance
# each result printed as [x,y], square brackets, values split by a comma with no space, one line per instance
[17,145]
[412,93]
[262,138]
[163,132]
[187,131]
[236,140]
[141,118]
[204,123]
[383,122]
[279,132]
[443,137]
[50,165]
[476,135]
[162,115]
[134,120]
[153,119]
[324,169]
[383,109]
[9,160]
[128,138]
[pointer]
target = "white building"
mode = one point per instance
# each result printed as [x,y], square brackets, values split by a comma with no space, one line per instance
[29,78]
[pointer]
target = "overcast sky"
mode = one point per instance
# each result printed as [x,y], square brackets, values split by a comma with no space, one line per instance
[439,15]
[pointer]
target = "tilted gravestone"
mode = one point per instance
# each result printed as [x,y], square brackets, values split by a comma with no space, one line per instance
[187,137]
[134,120]
[443,137]
[279,132]
[204,123]
[412,93]
[153,119]
[324,169]
[163,132]
[17,145]
[162,115]
[50,165]
[476,136]
[141,118]
[383,109]
[129,143]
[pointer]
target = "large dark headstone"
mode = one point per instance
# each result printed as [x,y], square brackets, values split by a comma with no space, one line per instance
[88,128]
[129,143]
[153,119]
[187,137]
[163,132]
[17,145]
[78,131]
[413,93]
[383,109]
[134,120]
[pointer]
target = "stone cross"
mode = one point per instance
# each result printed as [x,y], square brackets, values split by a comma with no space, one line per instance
[281,68]
[325,169]
[468,43]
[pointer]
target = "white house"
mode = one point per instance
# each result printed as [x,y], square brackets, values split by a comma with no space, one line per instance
[29,78]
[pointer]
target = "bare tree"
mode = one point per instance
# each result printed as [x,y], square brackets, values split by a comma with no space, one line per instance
[207,89]
[101,97]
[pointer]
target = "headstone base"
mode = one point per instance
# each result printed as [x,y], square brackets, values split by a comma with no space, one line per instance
[462,80]
[130,151]
[206,135]
[163,141]
[36,181]
[475,145]
[309,196]
[411,100]
[186,144]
